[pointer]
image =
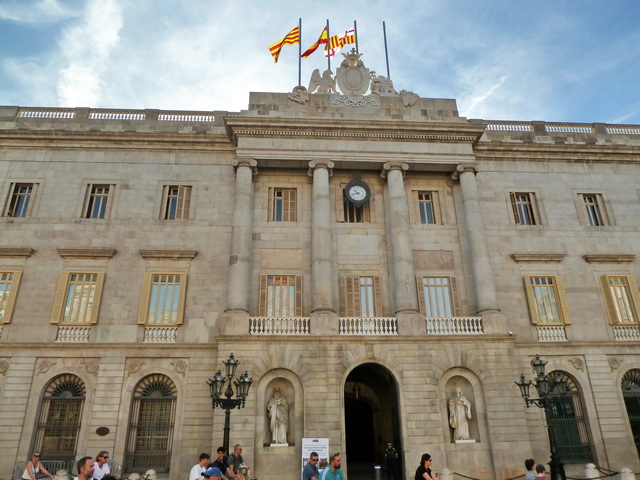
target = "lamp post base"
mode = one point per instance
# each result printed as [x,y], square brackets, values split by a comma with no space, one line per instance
[557,467]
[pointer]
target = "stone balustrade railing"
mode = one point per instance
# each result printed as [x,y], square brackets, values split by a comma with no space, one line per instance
[160,334]
[454,325]
[626,332]
[73,333]
[552,333]
[368,326]
[279,326]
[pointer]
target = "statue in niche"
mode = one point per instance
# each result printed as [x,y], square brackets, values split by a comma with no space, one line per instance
[459,414]
[278,410]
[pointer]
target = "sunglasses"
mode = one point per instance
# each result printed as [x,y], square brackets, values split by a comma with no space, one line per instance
[37,455]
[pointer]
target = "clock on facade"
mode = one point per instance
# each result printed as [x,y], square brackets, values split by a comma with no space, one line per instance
[357,192]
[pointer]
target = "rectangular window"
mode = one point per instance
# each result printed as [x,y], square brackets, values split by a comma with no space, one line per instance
[280,296]
[547,300]
[622,298]
[438,296]
[525,211]
[361,296]
[283,205]
[176,200]
[20,200]
[427,207]
[8,289]
[593,209]
[78,298]
[98,201]
[162,301]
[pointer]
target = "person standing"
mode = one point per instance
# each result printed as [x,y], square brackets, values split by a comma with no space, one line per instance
[34,467]
[220,463]
[424,470]
[101,467]
[391,454]
[85,468]
[199,468]
[333,470]
[234,461]
[310,470]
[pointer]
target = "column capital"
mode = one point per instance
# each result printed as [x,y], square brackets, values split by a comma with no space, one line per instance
[327,164]
[464,168]
[391,166]
[246,162]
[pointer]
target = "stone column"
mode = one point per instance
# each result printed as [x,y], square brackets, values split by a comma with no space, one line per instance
[322,277]
[397,218]
[241,238]
[484,285]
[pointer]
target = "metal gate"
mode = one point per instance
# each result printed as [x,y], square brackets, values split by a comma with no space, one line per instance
[59,419]
[565,415]
[631,394]
[150,433]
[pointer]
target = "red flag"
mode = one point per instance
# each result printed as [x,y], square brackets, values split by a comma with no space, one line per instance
[322,39]
[338,41]
[290,38]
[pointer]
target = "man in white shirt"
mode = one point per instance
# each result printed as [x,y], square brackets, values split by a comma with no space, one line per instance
[101,467]
[200,467]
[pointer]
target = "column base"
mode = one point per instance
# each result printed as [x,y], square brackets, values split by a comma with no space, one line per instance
[411,323]
[233,322]
[494,322]
[324,323]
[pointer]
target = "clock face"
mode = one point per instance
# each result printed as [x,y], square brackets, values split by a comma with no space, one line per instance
[357,193]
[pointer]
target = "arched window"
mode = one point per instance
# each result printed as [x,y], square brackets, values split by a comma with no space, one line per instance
[150,433]
[631,394]
[59,418]
[566,416]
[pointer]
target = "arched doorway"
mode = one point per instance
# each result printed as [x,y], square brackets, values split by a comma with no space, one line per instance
[631,394]
[371,420]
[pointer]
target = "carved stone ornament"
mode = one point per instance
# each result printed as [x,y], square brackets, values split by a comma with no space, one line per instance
[299,95]
[4,366]
[91,367]
[577,363]
[134,367]
[408,98]
[180,366]
[45,366]
[614,363]
[382,86]
[352,76]
[354,100]
[321,83]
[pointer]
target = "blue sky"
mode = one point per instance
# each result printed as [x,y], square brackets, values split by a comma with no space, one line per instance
[562,60]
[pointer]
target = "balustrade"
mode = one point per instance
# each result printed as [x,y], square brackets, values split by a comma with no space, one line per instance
[160,334]
[73,333]
[454,325]
[368,326]
[279,326]
[626,332]
[552,334]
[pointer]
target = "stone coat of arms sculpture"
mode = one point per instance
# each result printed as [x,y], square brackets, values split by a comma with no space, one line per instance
[352,76]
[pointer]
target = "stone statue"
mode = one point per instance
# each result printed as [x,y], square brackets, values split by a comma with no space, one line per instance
[322,83]
[278,410]
[299,94]
[459,414]
[381,85]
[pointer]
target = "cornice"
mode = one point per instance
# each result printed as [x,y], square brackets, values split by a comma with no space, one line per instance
[90,252]
[538,257]
[361,129]
[16,252]
[609,257]
[169,254]
[565,152]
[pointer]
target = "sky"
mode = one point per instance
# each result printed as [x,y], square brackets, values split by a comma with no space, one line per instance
[560,60]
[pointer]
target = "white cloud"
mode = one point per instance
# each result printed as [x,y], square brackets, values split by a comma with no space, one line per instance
[35,13]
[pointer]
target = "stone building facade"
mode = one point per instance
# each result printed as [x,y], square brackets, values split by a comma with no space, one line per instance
[139,248]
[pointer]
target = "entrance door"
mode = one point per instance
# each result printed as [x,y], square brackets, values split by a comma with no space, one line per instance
[371,421]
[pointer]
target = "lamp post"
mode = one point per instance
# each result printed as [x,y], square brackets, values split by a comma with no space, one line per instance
[216,384]
[547,389]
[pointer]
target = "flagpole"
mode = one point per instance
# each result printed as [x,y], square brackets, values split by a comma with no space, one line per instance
[355,32]
[386,52]
[300,52]
[328,47]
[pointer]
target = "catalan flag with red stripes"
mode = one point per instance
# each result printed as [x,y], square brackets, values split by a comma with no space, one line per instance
[321,40]
[338,41]
[290,38]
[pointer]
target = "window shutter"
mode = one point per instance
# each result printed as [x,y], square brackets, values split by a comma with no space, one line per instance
[184,201]
[350,296]
[32,199]
[340,202]
[562,299]
[603,210]
[96,299]
[377,293]
[61,291]
[165,199]
[415,207]
[291,203]
[608,299]
[7,207]
[534,208]
[87,201]
[635,297]
[181,298]
[420,289]
[531,300]
[298,295]
[143,312]
[112,193]
[437,214]
[514,207]
[11,301]
[584,218]
[262,303]
[455,297]
[272,198]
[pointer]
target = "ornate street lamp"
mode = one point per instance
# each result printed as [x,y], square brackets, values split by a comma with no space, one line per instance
[548,391]
[216,384]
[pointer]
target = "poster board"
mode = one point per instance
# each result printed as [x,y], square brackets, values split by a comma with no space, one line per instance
[319,445]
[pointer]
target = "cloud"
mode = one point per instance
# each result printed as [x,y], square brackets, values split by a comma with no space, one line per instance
[482,93]
[86,49]
[36,13]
